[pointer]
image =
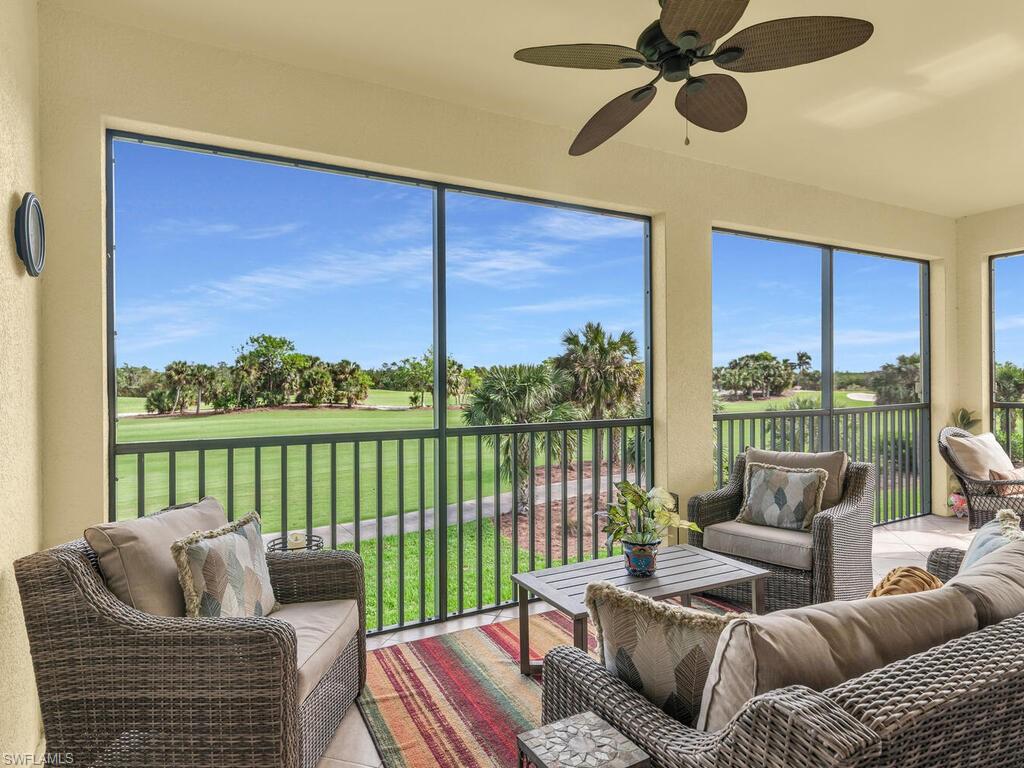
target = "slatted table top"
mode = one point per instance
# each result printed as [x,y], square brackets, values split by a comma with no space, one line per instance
[682,570]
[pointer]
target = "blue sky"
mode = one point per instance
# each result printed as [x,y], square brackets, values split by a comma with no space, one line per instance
[211,250]
[1009,318]
[767,296]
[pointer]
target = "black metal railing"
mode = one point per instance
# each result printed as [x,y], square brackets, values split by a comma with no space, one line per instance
[1008,427]
[892,437]
[518,497]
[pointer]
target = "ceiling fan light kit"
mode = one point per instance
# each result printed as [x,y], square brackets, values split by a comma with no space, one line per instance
[686,35]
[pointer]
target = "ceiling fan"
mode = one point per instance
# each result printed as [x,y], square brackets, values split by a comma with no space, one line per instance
[686,35]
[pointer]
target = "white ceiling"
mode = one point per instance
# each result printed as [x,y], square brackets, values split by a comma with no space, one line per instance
[927,114]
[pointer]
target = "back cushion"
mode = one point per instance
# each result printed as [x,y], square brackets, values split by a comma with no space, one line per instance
[979,455]
[833,462]
[820,646]
[994,584]
[135,555]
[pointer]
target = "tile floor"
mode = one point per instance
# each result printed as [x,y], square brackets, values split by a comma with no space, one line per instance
[906,543]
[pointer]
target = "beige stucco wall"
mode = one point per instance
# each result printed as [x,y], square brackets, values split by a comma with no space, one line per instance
[20,504]
[979,238]
[96,76]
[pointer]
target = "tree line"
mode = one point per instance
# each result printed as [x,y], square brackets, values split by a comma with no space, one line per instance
[763,375]
[267,372]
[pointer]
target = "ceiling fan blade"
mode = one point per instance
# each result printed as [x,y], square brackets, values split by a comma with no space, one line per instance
[789,42]
[583,56]
[709,18]
[718,105]
[612,118]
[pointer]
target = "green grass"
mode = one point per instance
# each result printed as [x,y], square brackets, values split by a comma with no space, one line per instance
[840,399]
[375,486]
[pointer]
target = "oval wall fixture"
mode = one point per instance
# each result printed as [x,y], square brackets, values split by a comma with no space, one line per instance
[30,234]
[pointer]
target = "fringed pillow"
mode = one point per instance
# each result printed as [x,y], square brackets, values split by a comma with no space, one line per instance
[224,572]
[663,651]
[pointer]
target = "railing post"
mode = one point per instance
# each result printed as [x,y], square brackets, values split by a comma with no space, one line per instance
[440,409]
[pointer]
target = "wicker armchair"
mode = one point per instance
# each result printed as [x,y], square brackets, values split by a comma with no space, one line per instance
[841,543]
[958,704]
[944,562]
[982,503]
[119,687]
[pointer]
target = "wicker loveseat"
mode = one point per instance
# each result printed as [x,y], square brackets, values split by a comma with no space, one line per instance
[839,567]
[119,687]
[958,704]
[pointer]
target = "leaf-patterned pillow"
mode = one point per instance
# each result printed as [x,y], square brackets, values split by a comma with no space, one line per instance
[224,572]
[782,497]
[664,651]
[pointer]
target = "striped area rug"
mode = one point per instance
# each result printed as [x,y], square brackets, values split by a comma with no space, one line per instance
[458,699]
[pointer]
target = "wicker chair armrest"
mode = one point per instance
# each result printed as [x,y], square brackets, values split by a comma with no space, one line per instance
[716,506]
[944,562]
[792,726]
[842,539]
[575,683]
[306,576]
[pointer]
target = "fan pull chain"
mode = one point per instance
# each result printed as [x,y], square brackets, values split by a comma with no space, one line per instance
[686,100]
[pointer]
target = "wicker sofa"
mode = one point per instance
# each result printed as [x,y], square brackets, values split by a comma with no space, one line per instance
[840,540]
[960,703]
[119,687]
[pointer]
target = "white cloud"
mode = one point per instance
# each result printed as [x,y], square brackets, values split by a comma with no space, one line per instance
[574,226]
[199,228]
[501,267]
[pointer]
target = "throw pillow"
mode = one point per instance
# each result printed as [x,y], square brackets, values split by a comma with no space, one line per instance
[224,572]
[904,580]
[991,536]
[782,497]
[1007,490]
[978,455]
[833,462]
[663,651]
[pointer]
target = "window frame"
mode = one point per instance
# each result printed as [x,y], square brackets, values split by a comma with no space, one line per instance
[440,189]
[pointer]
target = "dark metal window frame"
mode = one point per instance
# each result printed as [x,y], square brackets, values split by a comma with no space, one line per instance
[998,408]
[828,328]
[441,431]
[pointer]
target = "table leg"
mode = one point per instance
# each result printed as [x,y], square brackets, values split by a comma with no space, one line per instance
[685,601]
[580,635]
[524,630]
[757,592]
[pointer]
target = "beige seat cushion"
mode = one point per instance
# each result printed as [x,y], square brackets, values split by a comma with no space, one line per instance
[778,546]
[833,462]
[979,455]
[135,555]
[823,645]
[322,630]
[994,584]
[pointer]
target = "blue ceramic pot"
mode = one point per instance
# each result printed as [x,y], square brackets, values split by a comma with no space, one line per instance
[641,559]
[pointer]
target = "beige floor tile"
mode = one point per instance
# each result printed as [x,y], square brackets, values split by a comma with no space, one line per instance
[351,745]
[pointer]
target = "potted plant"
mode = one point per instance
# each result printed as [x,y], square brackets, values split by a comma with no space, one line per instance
[639,519]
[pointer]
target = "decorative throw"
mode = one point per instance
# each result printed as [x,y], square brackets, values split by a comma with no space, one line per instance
[663,651]
[224,572]
[993,535]
[904,580]
[1008,490]
[782,497]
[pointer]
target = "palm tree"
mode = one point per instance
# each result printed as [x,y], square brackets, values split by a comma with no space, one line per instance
[602,368]
[523,394]
[178,374]
[201,377]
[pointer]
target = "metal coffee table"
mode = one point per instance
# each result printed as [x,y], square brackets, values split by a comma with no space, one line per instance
[682,571]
